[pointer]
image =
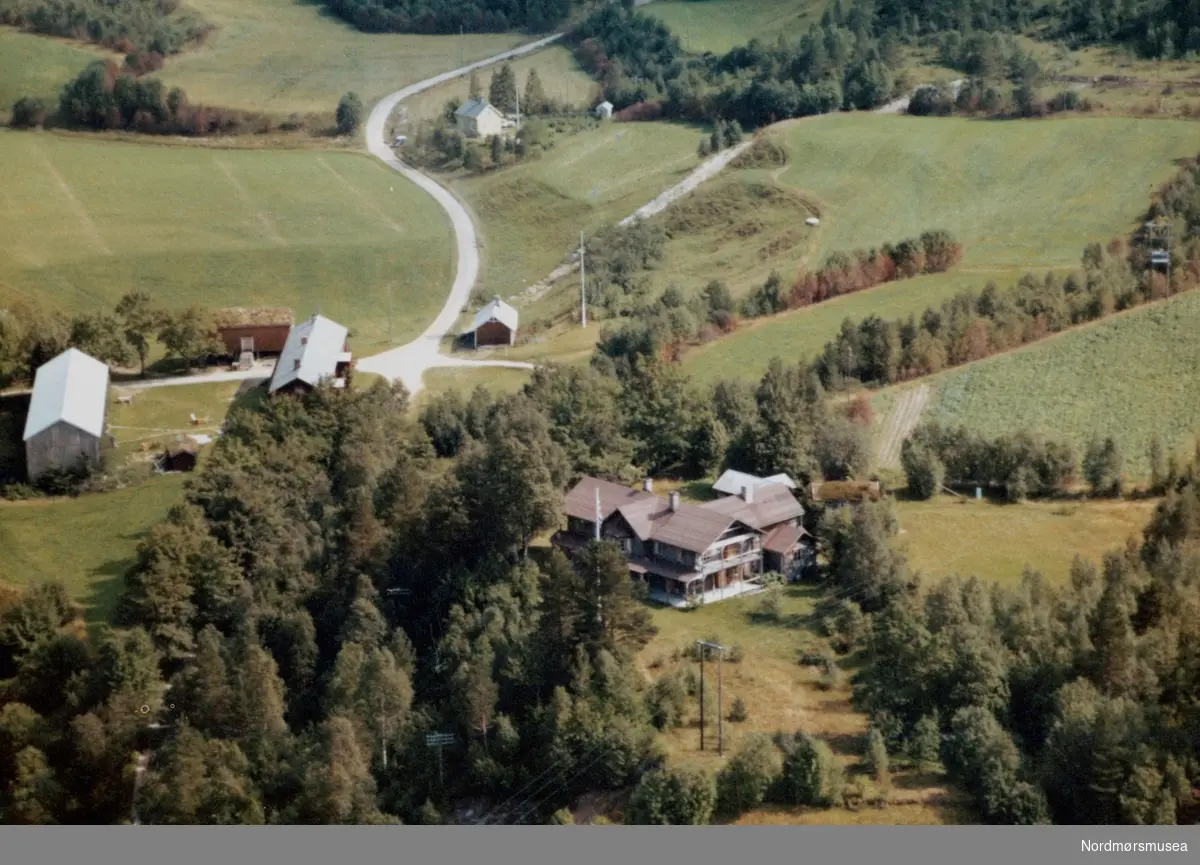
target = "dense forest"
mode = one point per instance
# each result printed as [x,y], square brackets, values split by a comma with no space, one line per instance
[450,16]
[1074,705]
[332,591]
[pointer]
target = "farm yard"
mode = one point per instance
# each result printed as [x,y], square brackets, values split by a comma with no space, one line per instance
[84,222]
[1019,197]
[282,56]
[1128,377]
[562,81]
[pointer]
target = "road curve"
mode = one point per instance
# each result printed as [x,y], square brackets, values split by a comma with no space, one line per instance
[408,362]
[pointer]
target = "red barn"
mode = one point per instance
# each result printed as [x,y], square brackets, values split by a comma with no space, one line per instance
[495,324]
[260,330]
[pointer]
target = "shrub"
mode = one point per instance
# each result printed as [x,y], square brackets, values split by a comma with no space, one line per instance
[811,775]
[923,470]
[738,711]
[349,114]
[930,101]
[667,701]
[27,113]
[877,759]
[671,797]
[925,744]
[743,783]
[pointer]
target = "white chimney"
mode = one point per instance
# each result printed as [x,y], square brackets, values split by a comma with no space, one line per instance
[748,494]
[673,500]
[648,485]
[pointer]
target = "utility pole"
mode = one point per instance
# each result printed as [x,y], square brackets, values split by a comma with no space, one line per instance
[517,90]
[582,285]
[438,741]
[720,650]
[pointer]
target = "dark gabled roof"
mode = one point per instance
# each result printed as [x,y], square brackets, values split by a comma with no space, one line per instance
[783,539]
[580,502]
[473,108]
[689,527]
[770,505]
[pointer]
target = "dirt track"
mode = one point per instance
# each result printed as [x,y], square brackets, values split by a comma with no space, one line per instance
[902,420]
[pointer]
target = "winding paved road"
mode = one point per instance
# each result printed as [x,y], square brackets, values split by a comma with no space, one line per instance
[409,362]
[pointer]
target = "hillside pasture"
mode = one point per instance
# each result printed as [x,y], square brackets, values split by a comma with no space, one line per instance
[780,694]
[720,25]
[1129,377]
[87,543]
[531,214]
[1019,196]
[996,541]
[83,222]
[38,66]
[284,56]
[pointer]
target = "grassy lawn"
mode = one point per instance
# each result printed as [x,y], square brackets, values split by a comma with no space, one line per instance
[532,214]
[994,541]
[719,25]
[498,380]
[38,66]
[562,80]
[1127,377]
[286,56]
[88,542]
[780,694]
[82,222]
[1019,196]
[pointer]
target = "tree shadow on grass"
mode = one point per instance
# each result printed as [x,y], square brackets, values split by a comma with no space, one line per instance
[105,588]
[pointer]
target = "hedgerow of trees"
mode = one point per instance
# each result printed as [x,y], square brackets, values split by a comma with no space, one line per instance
[158,26]
[444,16]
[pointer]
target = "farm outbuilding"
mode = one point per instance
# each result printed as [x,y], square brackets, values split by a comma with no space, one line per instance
[604,110]
[316,350]
[67,413]
[259,330]
[495,324]
[180,458]
[478,118]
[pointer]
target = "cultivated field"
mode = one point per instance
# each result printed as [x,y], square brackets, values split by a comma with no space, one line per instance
[1128,377]
[88,542]
[719,25]
[531,214]
[286,56]
[562,81]
[1019,196]
[995,542]
[82,222]
[38,66]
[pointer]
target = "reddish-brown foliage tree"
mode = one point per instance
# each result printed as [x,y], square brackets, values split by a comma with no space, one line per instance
[859,410]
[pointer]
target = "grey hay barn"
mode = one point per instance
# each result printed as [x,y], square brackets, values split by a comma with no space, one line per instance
[67,413]
[495,324]
[315,350]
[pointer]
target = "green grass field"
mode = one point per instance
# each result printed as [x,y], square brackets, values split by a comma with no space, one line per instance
[562,80]
[995,542]
[286,56]
[82,222]
[719,25]
[88,542]
[532,214]
[38,66]
[498,380]
[1128,377]
[1020,196]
